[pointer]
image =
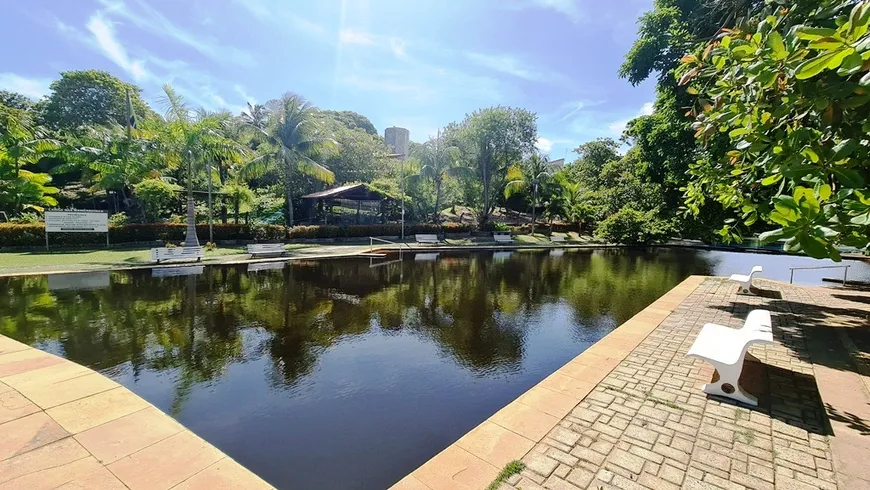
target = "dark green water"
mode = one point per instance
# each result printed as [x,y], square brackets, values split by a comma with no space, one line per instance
[337,374]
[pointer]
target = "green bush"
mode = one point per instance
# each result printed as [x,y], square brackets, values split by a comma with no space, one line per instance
[119,219]
[631,227]
[361,231]
[157,196]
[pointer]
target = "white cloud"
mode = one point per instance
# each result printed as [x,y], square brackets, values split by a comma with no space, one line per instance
[397,46]
[241,91]
[544,145]
[506,64]
[618,127]
[568,8]
[353,36]
[647,109]
[35,88]
[146,18]
[104,36]
[282,17]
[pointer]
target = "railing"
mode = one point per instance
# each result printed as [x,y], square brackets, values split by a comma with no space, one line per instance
[844,267]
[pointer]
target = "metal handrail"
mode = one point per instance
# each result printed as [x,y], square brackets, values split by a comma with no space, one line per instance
[372,243]
[844,267]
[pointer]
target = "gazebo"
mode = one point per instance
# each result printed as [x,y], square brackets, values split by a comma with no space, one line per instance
[346,205]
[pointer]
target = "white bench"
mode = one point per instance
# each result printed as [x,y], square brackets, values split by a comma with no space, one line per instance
[266,249]
[744,280]
[557,238]
[177,253]
[427,238]
[502,237]
[725,348]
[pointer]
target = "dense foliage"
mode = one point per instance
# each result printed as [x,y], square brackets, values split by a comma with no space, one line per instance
[791,90]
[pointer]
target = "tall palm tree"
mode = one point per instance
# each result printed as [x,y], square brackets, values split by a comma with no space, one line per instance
[23,143]
[438,162]
[256,115]
[193,138]
[533,172]
[293,141]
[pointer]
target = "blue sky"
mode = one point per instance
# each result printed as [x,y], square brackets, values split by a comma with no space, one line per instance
[419,64]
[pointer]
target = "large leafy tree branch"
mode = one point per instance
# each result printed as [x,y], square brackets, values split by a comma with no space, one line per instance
[790,90]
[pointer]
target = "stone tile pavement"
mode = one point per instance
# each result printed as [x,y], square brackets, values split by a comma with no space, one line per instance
[639,420]
[648,425]
[65,426]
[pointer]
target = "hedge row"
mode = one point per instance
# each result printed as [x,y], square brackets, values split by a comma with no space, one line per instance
[358,231]
[33,235]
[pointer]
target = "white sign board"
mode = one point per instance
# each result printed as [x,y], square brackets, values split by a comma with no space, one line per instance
[76,222]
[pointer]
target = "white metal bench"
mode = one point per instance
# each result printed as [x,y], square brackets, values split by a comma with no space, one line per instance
[725,348]
[427,238]
[266,249]
[744,280]
[557,238]
[177,253]
[502,237]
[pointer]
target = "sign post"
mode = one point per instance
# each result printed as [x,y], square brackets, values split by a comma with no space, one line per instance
[76,221]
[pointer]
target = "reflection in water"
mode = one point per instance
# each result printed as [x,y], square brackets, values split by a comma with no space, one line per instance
[335,374]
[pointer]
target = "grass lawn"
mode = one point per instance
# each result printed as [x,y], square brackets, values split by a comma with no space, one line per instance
[95,259]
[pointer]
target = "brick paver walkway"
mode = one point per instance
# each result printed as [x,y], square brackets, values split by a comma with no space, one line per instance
[648,425]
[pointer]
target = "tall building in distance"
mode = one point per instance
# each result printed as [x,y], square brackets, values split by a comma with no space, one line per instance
[399,140]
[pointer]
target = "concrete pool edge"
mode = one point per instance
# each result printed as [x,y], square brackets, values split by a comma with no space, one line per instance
[475,459]
[62,423]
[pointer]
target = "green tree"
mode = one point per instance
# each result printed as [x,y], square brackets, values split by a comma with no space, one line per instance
[574,203]
[91,97]
[534,171]
[23,144]
[492,140]
[294,142]
[15,100]
[592,157]
[241,197]
[790,90]
[194,140]
[358,156]
[437,163]
[157,197]
[352,120]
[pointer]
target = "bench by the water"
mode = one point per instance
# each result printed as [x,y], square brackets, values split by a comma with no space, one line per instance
[177,253]
[744,280]
[725,348]
[557,238]
[502,237]
[427,238]
[266,249]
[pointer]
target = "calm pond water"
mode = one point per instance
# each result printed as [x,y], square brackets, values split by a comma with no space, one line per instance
[337,374]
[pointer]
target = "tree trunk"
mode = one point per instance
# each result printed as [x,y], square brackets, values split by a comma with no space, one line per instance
[534,202]
[288,196]
[236,205]
[437,215]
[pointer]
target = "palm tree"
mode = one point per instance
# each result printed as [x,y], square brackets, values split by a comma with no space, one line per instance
[437,163]
[574,203]
[533,172]
[293,141]
[256,115]
[21,144]
[241,197]
[194,138]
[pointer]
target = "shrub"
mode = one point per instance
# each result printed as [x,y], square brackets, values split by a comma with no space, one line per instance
[156,195]
[119,219]
[630,226]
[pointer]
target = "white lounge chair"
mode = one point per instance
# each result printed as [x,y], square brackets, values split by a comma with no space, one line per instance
[427,238]
[744,280]
[266,249]
[502,237]
[725,348]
